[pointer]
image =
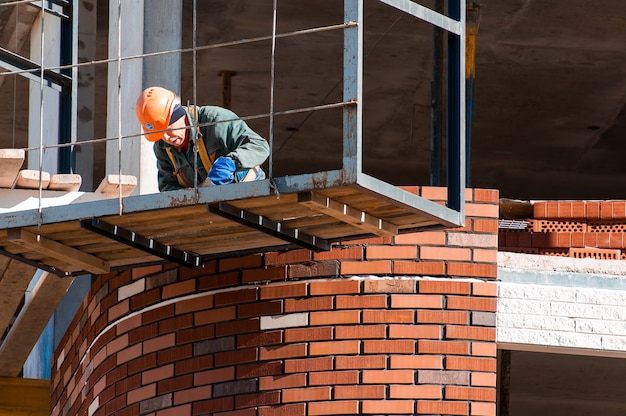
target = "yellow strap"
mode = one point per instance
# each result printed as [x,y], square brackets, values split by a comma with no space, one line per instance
[175,171]
[204,155]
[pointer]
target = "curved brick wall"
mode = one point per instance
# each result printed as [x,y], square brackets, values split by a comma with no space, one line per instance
[402,325]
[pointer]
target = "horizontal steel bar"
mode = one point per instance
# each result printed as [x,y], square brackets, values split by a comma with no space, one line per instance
[141,242]
[10,60]
[38,265]
[273,228]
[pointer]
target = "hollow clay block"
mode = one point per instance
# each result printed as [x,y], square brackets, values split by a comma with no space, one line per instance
[110,185]
[11,161]
[67,182]
[29,179]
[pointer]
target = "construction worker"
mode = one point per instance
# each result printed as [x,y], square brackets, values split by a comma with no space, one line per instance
[228,150]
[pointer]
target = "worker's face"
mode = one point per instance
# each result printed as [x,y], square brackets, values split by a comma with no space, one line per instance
[177,133]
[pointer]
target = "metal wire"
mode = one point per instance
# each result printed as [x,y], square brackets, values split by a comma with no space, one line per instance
[119,101]
[273,76]
[41,105]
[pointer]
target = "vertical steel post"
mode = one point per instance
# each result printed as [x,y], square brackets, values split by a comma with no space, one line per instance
[456,109]
[352,90]
[437,101]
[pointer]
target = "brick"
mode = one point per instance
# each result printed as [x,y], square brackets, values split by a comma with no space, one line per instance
[254,399]
[361,362]
[435,238]
[139,272]
[174,354]
[287,257]
[416,362]
[471,364]
[443,347]
[282,381]
[174,384]
[359,392]
[237,327]
[396,407]
[334,348]
[234,297]
[237,263]
[483,379]
[335,407]
[485,349]
[272,274]
[128,354]
[415,392]
[340,253]
[388,316]
[482,210]
[281,291]
[309,364]
[480,394]
[415,331]
[238,356]
[485,289]
[365,267]
[220,280]
[142,393]
[157,374]
[417,301]
[309,334]
[484,226]
[389,346]
[361,301]
[445,253]
[159,343]
[390,252]
[389,286]
[434,193]
[306,394]
[334,317]
[443,377]
[472,270]
[443,317]
[317,269]
[179,289]
[248,310]
[388,377]
[207,268]
[298,409]
[442,286]
[470,332]
[213,376]
[289,320]
[195,304]
[220,404]
[486,195]
[260,339]
[472,303]
[360,332]
[317,303]
[482,409]
[212,316]
[283,351]
[259,369]
[442,407]
[484,255]
[325,378]
[427,268]
[175,324]
[335,287]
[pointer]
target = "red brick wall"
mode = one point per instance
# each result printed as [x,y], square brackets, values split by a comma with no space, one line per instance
[580,229]
[402,325]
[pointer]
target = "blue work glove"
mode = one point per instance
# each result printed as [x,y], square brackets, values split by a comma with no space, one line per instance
[222,171]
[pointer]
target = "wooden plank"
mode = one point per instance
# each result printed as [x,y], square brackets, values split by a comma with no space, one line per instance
[67,182]
[110,185]
[24,397]
[12,161]
[31,321]
[32,179]
[14,280]
[57,250]
[343,212]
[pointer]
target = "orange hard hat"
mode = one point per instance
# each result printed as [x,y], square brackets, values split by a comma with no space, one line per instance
[154,108]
